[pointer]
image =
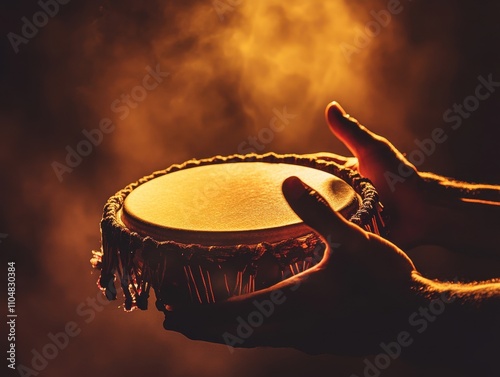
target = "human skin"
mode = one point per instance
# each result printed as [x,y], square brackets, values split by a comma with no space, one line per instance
[424,208]
[366,290]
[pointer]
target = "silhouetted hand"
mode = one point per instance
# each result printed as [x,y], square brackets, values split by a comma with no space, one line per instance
[423,208]
[343,304]
[410,201]
[366,292]
[364,298]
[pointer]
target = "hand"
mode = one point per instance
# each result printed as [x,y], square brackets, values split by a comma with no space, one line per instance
[344,304]
[405,192]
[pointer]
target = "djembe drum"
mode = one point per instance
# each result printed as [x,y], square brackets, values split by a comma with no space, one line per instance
[210,229]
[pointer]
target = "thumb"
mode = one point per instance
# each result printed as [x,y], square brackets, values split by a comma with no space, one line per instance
[313,209]
[366,145]
[355,136]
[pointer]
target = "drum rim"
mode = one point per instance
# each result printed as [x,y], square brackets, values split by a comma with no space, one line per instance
[361,185]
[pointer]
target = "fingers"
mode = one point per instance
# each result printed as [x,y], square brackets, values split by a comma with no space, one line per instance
[348,162]
[257,319]
[370,148]
[355,136]
[238,331]
[208,322]
[328,156]
[313,209]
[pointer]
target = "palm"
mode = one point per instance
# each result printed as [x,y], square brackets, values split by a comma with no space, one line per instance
[360,277]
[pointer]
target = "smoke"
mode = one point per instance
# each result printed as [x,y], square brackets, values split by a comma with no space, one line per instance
[228,68]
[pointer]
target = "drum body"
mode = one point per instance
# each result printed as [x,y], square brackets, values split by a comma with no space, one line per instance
[210,229]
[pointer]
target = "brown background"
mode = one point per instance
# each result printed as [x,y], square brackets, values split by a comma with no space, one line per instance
[226,77]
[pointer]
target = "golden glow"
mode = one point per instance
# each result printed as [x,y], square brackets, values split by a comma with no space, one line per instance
[228,204]
[227,77]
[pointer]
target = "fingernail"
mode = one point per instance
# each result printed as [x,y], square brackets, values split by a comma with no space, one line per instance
[335,111]
[294,188]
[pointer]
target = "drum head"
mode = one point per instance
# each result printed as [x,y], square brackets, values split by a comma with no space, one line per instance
[228,204]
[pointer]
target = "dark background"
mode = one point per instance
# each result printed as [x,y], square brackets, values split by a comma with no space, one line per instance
[227,74]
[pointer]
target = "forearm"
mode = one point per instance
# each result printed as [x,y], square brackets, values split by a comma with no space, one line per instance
[456,324]
[458,189]
[468,215]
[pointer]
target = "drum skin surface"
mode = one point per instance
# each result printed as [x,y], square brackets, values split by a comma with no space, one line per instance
[229,204]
